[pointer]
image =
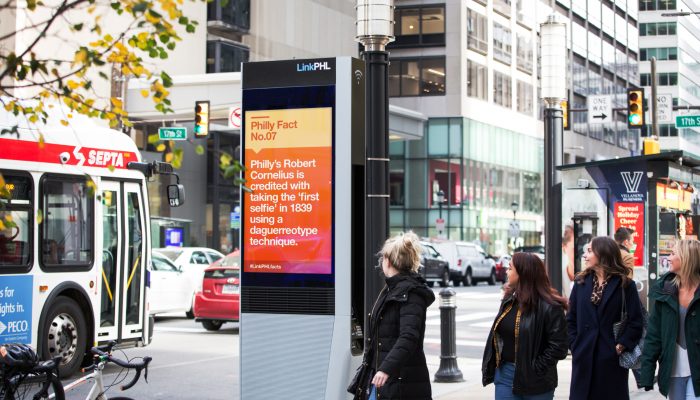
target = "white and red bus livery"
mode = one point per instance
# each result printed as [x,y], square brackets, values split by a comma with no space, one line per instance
[74,239]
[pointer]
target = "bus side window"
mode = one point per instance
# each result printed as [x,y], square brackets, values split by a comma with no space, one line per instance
[16,213]
[67,229]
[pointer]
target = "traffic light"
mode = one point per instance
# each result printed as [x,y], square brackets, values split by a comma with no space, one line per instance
[201,119]
[565,114]
[635,108]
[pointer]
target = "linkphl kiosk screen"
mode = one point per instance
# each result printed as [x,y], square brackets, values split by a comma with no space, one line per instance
[288,213]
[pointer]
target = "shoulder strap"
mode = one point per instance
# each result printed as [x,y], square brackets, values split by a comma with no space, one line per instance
[623,313]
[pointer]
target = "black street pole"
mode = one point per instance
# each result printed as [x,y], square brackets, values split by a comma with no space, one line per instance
[553,141]
[377,166]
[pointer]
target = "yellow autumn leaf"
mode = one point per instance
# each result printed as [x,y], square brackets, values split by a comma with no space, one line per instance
[2,181]
[160,147]
[111,168]
[144,92]
[72,84]
[64,122]
[80,56]
[39,216]
[169,157]
[42,142]
[116,102]
[8,217]
[2,226]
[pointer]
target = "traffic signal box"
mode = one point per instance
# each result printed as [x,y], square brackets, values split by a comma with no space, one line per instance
[635,108]
[650,146]
[201,119]
[565,114]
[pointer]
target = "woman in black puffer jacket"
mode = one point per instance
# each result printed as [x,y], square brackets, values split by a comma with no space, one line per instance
[397,326]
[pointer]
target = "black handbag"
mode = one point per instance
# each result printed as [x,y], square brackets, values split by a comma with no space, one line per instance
[359,381]
[630,359]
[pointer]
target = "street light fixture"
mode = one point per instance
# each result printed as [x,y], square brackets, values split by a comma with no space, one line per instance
[514,206]
[375,29]
[553,65]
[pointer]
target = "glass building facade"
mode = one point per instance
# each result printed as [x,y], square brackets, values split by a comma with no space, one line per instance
[458,156]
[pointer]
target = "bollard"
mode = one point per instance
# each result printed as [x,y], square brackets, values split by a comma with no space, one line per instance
[448,371]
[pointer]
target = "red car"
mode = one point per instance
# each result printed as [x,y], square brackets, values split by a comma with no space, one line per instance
[219,299]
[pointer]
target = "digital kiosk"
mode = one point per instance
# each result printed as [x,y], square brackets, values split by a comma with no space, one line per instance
[302,227]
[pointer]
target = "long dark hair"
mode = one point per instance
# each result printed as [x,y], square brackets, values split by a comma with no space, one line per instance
[533,283]
[609,260]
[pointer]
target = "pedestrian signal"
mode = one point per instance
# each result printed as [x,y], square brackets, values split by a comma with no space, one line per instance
[201,119]
[635,108]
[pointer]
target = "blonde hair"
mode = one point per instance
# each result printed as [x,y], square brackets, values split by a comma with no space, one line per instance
[689,253]
[403,251]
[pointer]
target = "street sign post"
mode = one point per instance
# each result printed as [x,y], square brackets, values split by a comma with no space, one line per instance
[234,117]
[599,109]
[688,121]
[440,227]
[514,229]
[172,133]
[664,104]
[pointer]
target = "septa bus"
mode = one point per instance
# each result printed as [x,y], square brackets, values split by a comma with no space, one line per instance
[74,239]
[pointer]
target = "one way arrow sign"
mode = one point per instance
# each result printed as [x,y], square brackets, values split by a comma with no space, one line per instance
[599,109]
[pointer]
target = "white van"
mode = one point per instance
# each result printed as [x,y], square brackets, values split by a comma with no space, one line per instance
[469,263]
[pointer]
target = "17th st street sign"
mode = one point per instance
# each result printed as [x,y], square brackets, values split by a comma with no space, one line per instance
[688,121]
[599,109]
[172,133]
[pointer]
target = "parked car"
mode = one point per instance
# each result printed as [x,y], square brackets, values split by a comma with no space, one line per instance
[219,299]
[539,250]
[502,267]
[192,261]
[435,267]
[468,262]
[170,289]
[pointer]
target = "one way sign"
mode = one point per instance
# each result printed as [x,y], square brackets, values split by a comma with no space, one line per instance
[599,109]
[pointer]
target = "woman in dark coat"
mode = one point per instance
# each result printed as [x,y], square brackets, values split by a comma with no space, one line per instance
[673,335]
[594,306]
[397,326]
[531,316]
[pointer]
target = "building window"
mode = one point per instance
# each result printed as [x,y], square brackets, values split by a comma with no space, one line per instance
[477,35]
[502,44]
[657,29]
[419,26]
[502,89]
[524,54]
[477,80]
[502,7]
[234,14]
[651,5]
[417,77]
[665,79]
[225,57]
[661,53]
[525,102]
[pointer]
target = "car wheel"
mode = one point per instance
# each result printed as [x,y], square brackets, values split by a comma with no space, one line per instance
[212,325]
[468,280]
[445,281]
[64,334]
[456,282]
[430,283]
[492,278]
[189,314]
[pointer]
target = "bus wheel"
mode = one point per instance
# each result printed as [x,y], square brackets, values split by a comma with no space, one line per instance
[64,335]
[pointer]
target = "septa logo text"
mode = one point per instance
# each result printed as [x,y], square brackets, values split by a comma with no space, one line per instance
[104,158]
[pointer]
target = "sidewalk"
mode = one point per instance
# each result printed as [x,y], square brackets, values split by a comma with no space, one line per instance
[472,389]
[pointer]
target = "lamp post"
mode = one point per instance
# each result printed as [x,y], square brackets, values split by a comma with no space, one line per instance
[375,29]
[553,59]
[440,199]
[514,206]
[440,223]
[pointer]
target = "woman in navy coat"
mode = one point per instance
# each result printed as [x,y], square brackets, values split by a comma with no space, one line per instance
[594,306]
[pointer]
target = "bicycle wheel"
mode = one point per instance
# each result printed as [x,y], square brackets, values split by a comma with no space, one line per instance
[32,387]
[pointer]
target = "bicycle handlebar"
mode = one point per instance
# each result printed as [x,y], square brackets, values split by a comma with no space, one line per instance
[137,366]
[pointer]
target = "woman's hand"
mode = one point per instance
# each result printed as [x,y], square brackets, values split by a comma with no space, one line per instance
[619,349]
[379,379]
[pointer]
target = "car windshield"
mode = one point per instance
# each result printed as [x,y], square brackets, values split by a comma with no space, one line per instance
[231,261]
[172,254]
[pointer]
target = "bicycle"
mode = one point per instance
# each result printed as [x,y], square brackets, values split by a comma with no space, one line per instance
[20,376]
[45,375]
